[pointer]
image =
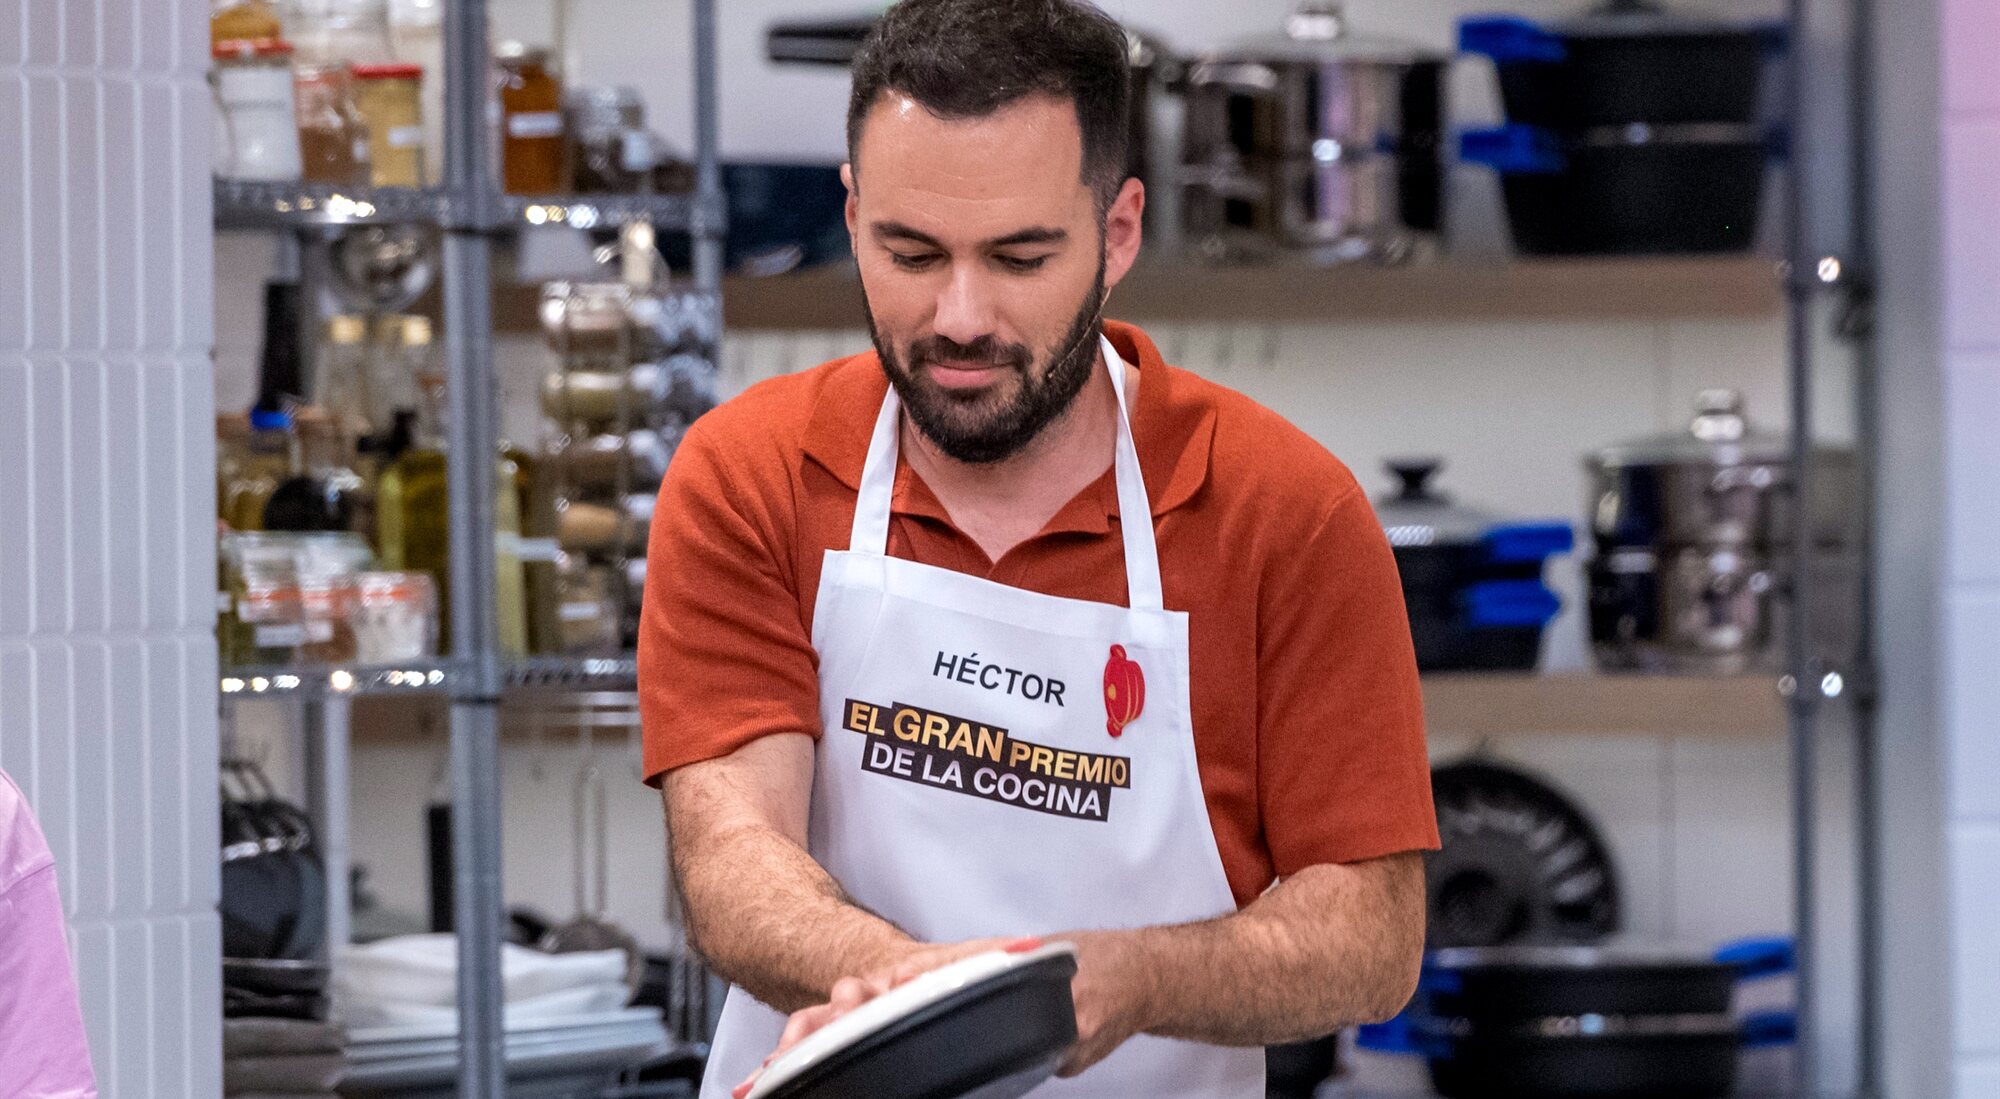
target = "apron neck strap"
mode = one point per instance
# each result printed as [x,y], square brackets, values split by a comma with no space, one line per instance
[870,534]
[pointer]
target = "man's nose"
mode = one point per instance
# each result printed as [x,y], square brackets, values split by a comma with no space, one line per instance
[964,311]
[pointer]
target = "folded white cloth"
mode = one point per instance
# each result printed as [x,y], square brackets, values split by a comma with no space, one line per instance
[423,969]
[592,999]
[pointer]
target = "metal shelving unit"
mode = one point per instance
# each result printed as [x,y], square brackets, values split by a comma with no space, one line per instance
[252,205]
[472,213]
[610,673]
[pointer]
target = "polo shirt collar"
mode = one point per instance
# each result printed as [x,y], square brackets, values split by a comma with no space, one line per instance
[1172,430]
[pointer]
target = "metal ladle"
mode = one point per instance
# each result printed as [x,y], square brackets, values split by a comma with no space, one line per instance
[590,928]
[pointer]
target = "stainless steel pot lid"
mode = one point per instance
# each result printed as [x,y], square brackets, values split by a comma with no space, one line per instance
[1318,31]
[1719,434]
[962,981]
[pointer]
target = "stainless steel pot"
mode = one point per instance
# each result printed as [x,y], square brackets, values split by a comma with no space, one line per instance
[1716,610]
[1318,140]
[1719,483]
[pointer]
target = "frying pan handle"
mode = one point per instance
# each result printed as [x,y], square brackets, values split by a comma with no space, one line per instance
[1510,39]
[1758,957]
[1763,1029]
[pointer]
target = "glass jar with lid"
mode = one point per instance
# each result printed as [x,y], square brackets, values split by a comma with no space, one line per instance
[341,32]
[257,133]
[531,122]
[391,100]
[610,149]
[333,139]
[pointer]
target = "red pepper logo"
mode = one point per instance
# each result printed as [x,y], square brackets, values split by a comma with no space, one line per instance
[1124,691]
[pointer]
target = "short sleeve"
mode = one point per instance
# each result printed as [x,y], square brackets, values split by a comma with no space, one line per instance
[724,653]
[1343,773]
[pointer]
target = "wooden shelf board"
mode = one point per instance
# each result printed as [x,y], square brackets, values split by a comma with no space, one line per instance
[1498,704]
[1629,289]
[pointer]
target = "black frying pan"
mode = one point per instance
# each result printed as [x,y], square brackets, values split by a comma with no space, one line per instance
[996,1024]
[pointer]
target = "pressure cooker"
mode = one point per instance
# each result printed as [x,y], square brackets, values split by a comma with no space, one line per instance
[1691,535]
[1318,141]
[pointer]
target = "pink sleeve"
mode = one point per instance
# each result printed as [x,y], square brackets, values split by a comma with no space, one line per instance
[43,1054]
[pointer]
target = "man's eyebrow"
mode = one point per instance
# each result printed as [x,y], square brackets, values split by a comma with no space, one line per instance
[1030,236]
[896,230]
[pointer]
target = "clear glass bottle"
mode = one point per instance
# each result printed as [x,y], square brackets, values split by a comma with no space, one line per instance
[343,384]
[264,463]
[510,580]
[538,549]
[412,520]
[320,492]
[531,123]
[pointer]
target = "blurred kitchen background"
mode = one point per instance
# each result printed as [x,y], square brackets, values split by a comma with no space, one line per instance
[1561,334]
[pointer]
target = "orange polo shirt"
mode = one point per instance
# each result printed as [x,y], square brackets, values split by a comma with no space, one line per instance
[1308,721]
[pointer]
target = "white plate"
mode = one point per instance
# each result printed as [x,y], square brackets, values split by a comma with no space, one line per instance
[893,1006]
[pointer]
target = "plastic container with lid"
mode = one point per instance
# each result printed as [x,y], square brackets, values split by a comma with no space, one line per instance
[391,101]
[531,122]
[395,617]
[256,116]
[262,619]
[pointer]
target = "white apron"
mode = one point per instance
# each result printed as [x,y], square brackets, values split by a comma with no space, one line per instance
[969,784]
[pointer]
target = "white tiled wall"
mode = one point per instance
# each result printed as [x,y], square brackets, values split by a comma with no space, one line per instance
[1971,596]
[107,658]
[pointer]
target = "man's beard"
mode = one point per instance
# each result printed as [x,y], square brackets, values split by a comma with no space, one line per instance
[980,427]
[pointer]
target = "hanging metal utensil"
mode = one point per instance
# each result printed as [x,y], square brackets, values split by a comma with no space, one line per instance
[590,928]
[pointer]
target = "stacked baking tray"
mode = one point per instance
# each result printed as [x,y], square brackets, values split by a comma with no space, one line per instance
[563,1056]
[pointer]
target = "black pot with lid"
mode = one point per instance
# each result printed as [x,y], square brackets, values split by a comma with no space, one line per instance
[1594,1022]
[1626,61]
[1472,584]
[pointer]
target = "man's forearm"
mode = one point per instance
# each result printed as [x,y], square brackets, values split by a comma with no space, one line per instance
[1329,947]
[771,921]
[760,910]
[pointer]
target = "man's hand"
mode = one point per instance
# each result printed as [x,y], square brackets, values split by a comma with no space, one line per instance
[1114,992]
[851,992]
[1329,947]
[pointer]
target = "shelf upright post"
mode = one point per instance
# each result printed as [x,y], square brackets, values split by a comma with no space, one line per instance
[1802,679]
[710,212]
[471,206]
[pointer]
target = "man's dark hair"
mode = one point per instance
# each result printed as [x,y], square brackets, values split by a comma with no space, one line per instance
[970,58]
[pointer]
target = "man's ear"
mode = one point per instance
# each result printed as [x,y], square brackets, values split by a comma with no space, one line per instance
[1124,224]
[853,207]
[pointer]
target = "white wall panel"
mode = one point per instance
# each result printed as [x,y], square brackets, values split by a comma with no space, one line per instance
[1975,854]
[107,663]
[1972,232]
